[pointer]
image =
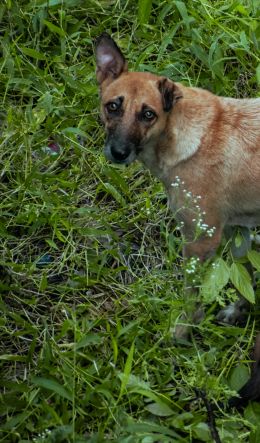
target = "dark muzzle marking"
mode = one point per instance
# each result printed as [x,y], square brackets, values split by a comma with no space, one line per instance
[118,153]
[120,150]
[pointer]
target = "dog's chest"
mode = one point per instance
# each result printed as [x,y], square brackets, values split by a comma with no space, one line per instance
[159,159]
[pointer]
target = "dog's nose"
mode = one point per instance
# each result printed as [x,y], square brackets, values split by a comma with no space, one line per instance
[119,154]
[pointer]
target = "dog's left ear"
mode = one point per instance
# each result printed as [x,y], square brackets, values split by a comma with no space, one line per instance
[170,93]
[110,60]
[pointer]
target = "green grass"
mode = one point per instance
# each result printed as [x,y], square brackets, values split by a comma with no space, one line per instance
[91,275]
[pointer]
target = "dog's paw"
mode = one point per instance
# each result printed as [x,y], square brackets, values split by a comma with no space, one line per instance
[183,328]
[181,332]
[234,313]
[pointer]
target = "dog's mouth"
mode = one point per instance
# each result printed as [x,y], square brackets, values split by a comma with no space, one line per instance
[123,155]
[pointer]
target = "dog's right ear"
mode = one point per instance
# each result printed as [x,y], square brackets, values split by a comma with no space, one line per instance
[170,93]
[110,60]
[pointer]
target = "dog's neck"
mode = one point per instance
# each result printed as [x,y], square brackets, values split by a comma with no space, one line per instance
[183,136]
[181,141]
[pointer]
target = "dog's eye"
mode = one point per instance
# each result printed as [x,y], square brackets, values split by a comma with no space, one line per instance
[148,115]
[112,106]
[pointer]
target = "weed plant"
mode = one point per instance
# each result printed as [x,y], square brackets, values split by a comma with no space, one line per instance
[91,274]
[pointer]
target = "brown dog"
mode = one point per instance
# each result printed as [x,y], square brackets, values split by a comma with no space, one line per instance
[205,149]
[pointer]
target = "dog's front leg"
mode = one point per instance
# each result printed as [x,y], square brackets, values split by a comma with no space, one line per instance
[201,231]
[201,249]
[204,247]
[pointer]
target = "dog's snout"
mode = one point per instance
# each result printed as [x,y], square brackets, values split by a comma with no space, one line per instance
[119,154]
[119,149]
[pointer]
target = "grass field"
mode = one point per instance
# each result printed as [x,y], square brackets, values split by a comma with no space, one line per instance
[91,275]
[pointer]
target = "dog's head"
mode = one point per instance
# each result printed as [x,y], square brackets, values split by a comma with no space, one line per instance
[134,105]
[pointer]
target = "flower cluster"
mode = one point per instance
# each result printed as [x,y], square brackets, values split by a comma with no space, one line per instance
[215,265]
[177,182]
[191,265]
[204,227]
[201,228]
[42,436]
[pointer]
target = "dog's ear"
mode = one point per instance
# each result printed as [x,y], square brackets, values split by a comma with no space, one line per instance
[170,93]
[110,60]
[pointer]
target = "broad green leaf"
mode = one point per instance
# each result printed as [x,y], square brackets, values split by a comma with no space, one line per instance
[239,377]
[238,240]
[180,420]
[159,409]
[149,428]
[241,9]
[52,243]
[144,11]
[242,281]
[135,382]
[254,258]
[12,357]
[88,340]
[146,393]
[76,131]
[244,41]
[252,414]
[255,433]
[202,431]
[150,394]
[20,81]
[53,386]
[216,279]
[217,63]
[184,13]
[126,329]
[60,236]
[43,283]
[127,369]
[45,102]
[33,53]
[115,193]
[117,179]
[16,420]
[199,53]
[54,28]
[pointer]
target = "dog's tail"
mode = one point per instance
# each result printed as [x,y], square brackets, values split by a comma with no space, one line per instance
[251,390]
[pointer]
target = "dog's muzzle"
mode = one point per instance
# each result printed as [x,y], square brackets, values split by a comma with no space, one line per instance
[120,153]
